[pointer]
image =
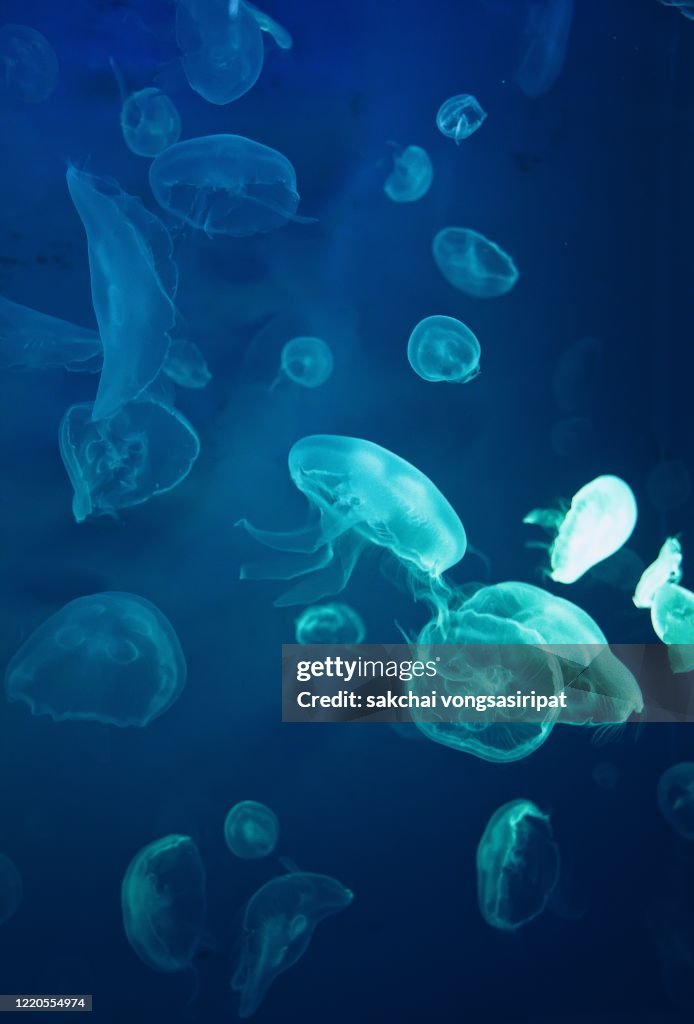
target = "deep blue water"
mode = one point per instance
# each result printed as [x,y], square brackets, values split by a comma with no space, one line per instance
[589,188]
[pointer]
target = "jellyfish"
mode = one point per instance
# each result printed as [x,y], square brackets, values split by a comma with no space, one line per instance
[667,568]
[473,264]
[685,7]
[134,281]
[517,865]
[110,657]
[459,117]
[145,450]
[332,623]
[30,340]
[669,485]
[676,798]
[11,888]
[306,361]
[28,64]
[150,122]
[599,522]
[185,364]
[280,36]
[547,39]
[605,775]
[362,494]
[225,185]
[442,348]
[277,927]
[222,48]
[672,615]
[251,830]
[411,176]
[163,903]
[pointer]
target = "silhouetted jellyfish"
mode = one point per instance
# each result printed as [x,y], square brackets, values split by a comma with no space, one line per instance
[605,775]
[150,122]
[676,798]
[163,903]
[185,364]
[363,494]
[267,24]
[30,340]
[225,185]
[669,485]
[277,928]
[110,657]
[332,623]
[133,279]
[306,361]
[600,520]
[517,865]
[442,348]
[28,64]
[459,117]
[251,830]
[411,176]
[547,38]
[685,7]
[222,48]
[11,888]
[672,615]
[473,264]
[144,450]
[577,370]
[667,568]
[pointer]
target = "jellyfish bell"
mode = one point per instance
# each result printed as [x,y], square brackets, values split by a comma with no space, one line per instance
[331,623]
[667,568]
[307,361]
[411,176]
[459,117]
[547,38]
[672,616]
[473,263]
[676,798]
[442,348]
[149,122]
[251,830]
[222,48]
[28,64]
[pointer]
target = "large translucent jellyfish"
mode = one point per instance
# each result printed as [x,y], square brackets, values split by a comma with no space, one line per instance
[28,64]
[251,830]
[444,349]
[667,568]
[459,117]
[277,928]
[110,657]
[163,903]
[185,364]
[599,522]
[547,38]
[225,185]
[280,35]
[672,615]
[363,494]
[11,888]
[676,798]
[145,450]
[411,176]
[473,264]
[332,623]
[517,865]
[150,122]
[30,340]
[306,361]
[134,280]
[222,48]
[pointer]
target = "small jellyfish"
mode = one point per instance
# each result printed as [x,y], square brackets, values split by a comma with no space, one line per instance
[667,568]
[150,122]
[222,48]
[669,485]
[11,888]
[332,623]
[30,340]
[185,364]
[363,494]
[676,798]
[547,38]
[517,865]
[110,657]
[28,64]
[277,928]
[473,264]
[442,348]
[267,24]
[599,522]
[459,117]
[672,616]
[251,830]
[145,450]
[225,185]
[411,176]
[163,903]
[306,361]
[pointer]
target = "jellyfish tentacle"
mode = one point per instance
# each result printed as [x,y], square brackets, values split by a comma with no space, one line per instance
[329,580]
[288,568]
[305,539]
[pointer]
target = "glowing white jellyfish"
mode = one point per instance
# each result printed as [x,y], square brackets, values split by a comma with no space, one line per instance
[667,568]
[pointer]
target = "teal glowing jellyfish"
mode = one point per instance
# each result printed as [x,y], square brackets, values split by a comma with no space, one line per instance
[145,450]
[460,117]
[676,798]
[11,889]
[28,64]
[225,185]
[277,928]
[332,623]
[111,657]
[547,39]
[411,176]
[517,865]
[134,281]
[599,522]
[363,494]
[150,122]
[163,903]
[222,48]
[30,340]
[185,364]
[306,361]
[667,568]
[251,830]
[444,349]
[280,36]
[473,264]
[672,615]
[685,7]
